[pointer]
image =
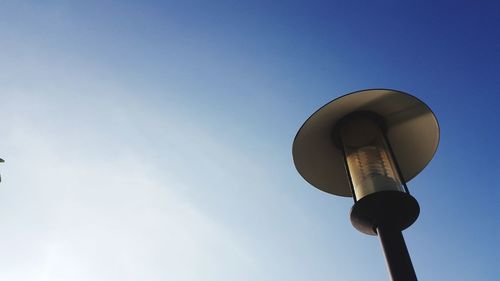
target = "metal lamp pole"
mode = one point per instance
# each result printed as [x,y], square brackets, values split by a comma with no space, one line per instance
[367,145]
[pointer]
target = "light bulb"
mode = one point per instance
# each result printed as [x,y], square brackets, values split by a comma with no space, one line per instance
[370,163]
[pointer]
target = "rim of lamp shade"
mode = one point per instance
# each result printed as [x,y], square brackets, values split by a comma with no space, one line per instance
[412,131]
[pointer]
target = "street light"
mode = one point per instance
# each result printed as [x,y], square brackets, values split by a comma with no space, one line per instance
[1,161]
[367,145]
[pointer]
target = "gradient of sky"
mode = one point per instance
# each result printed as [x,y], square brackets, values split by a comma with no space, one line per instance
[151,140]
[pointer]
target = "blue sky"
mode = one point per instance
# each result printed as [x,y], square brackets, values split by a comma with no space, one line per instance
[151,140]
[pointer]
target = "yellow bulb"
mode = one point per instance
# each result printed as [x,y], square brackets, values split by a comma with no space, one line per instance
[371,171]
[371,166]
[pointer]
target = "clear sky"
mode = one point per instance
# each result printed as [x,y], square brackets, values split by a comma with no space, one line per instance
[151,140]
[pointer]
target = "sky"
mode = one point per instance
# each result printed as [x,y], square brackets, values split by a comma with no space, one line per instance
[151,140]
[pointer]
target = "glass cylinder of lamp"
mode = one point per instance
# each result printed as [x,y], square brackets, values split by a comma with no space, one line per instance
[368,158]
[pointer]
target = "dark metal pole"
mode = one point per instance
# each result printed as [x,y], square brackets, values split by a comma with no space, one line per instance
[396,254]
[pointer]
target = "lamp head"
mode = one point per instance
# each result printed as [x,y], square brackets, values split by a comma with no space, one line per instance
[388,126]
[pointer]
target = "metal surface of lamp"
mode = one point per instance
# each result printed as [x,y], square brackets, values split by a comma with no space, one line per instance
[367,145]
